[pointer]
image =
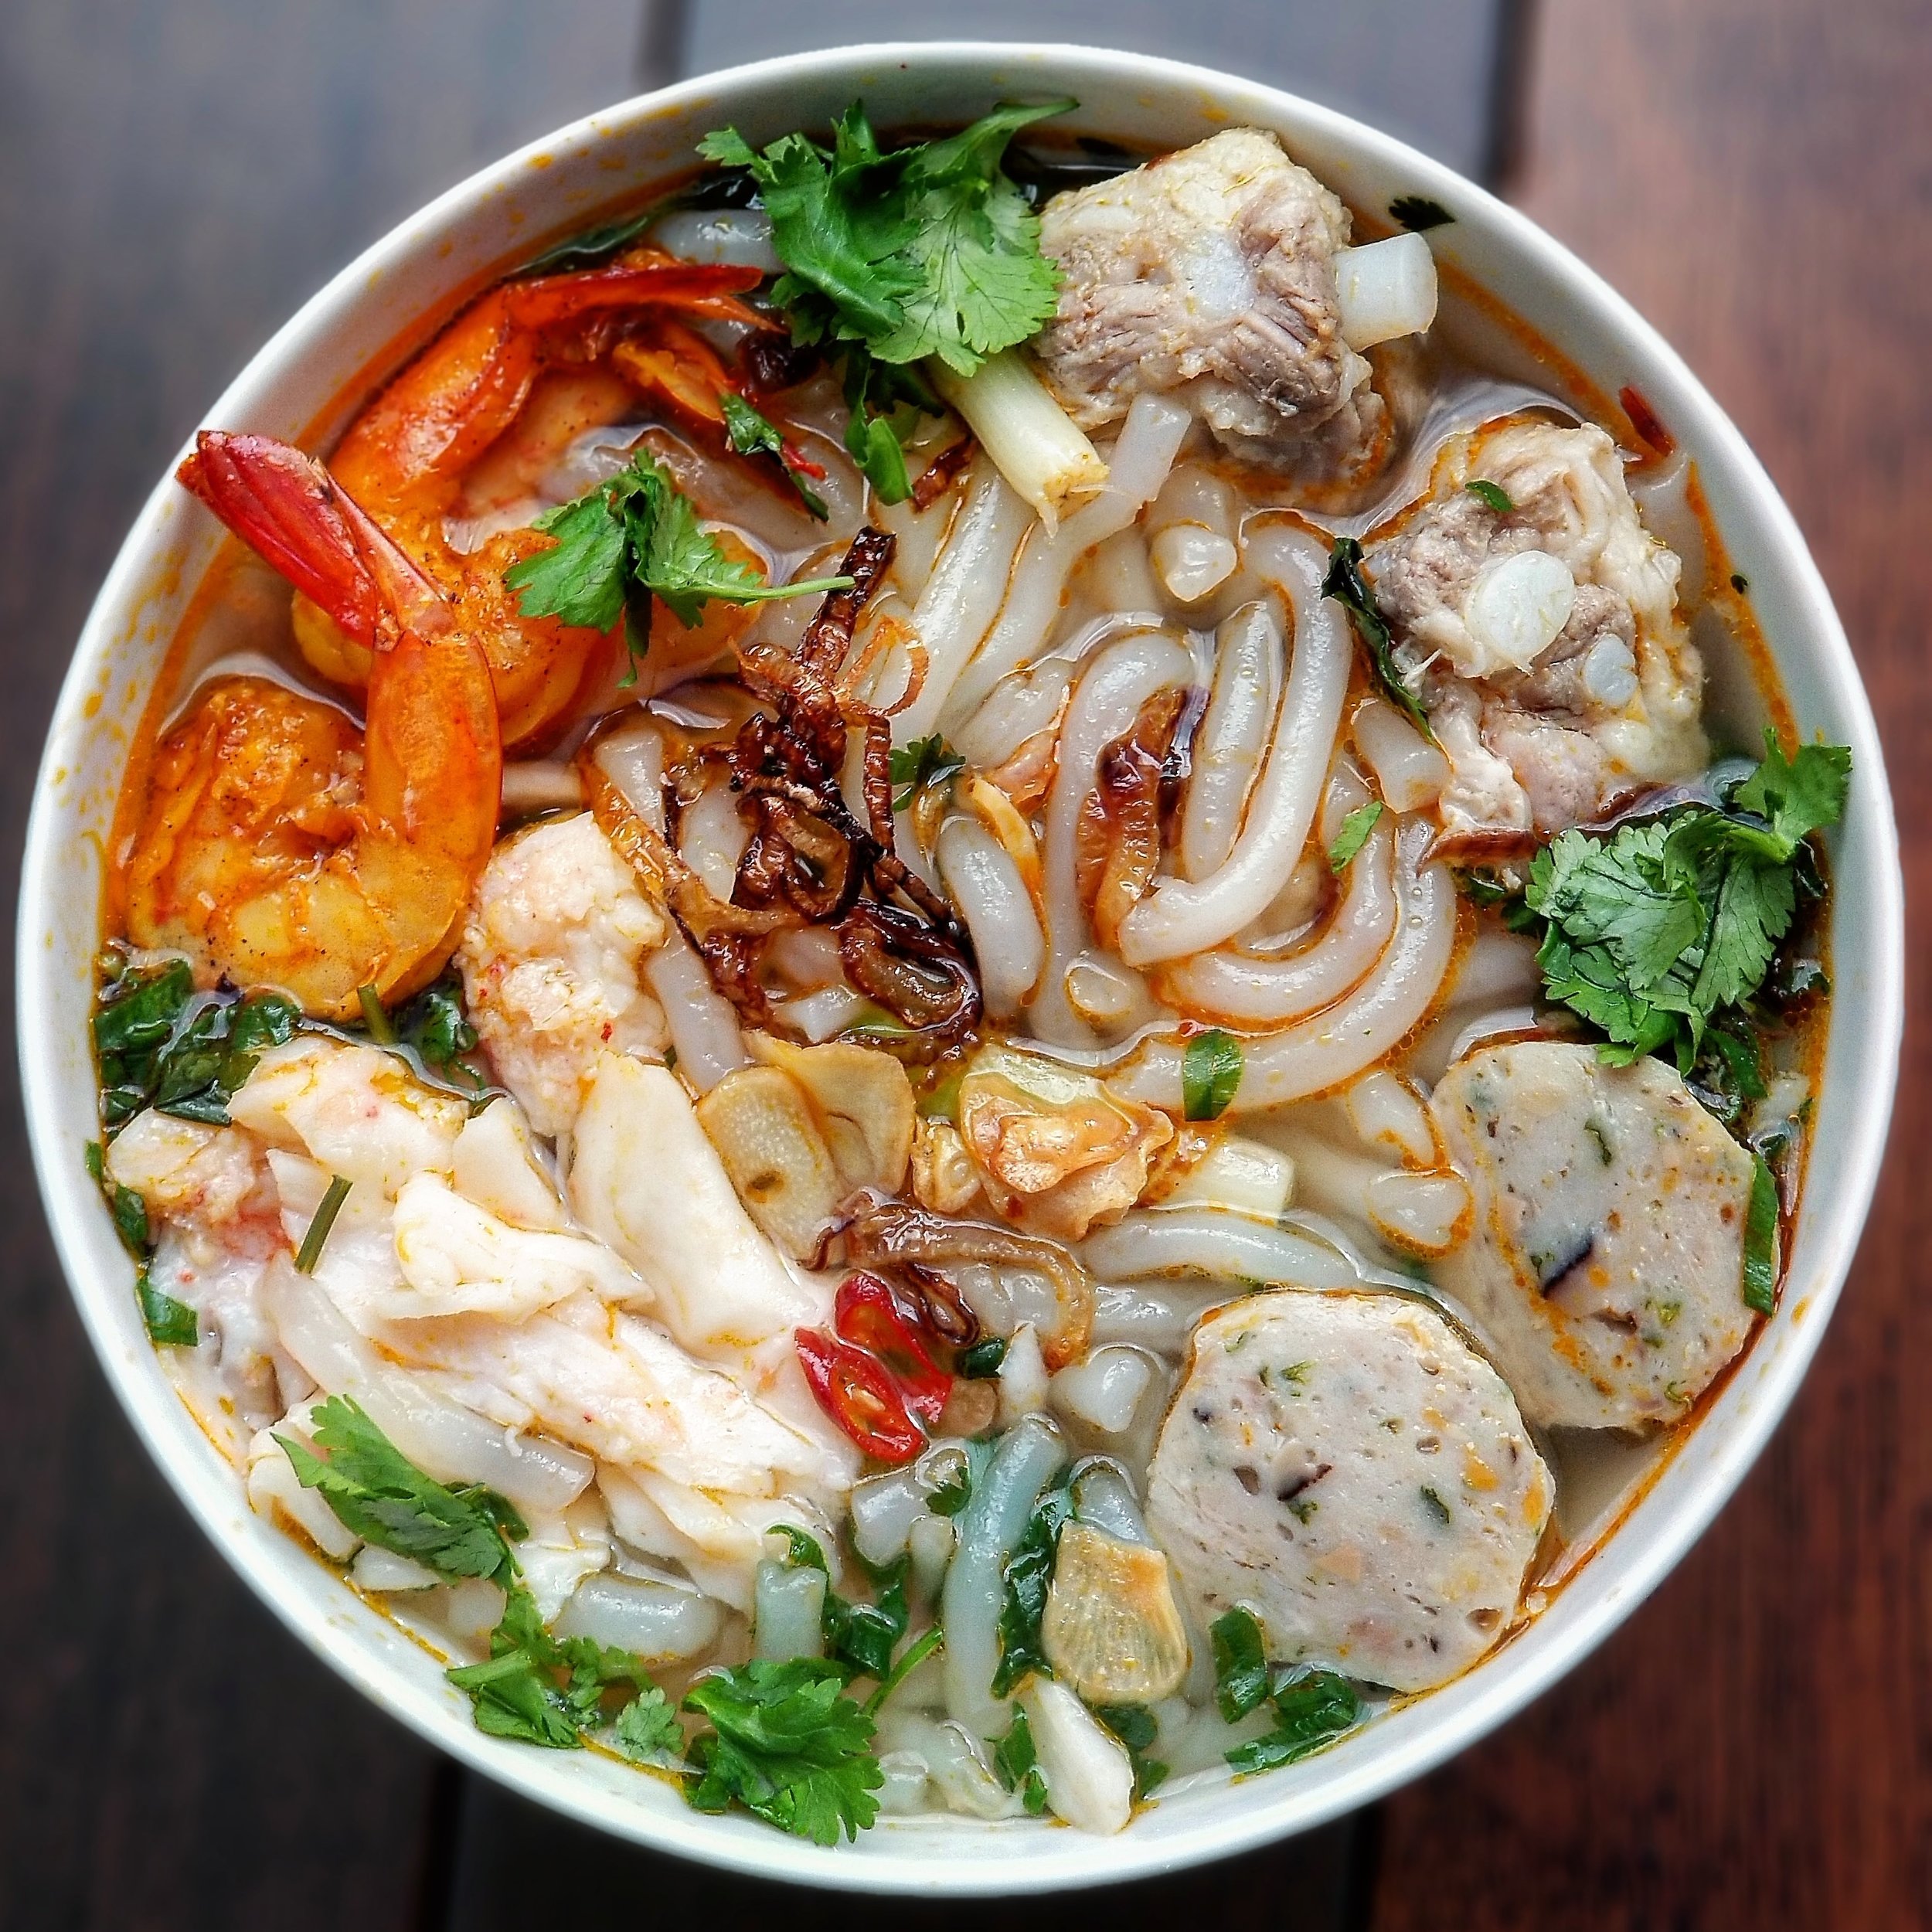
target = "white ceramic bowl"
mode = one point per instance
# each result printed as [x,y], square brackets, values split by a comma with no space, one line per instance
[375,307]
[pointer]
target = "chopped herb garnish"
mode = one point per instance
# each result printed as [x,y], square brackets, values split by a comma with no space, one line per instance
[1346,583]
[752,434]
[1017,1762]
[1761,1240]
[788,1744]
[1738,584]
[1353,835]
[161,1044]
[1313,1708]
[170,1323]
[949,1496]
[1210,1073]
[1435,1505]
[1493,494]
[1240,1663]
[435,1025]
[861,1636]
[982,1361]
[1652,932]
[925,761]
[375,1016]
[1028,1575]
[310,1251]
[1416,213]
[1134,1725]
[627,540]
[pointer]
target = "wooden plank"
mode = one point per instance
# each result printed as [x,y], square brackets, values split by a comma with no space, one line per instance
[179,174]
[1755,1748]
[1433,73]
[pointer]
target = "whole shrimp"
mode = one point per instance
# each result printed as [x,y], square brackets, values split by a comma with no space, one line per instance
[404,460]
[277,845]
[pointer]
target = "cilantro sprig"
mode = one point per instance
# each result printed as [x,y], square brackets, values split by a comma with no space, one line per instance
[753,434]
[930,250]
[788,1744]
[629,540]
[1659,933]
[170,1324]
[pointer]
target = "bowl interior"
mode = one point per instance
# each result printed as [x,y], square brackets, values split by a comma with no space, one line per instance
[363,321]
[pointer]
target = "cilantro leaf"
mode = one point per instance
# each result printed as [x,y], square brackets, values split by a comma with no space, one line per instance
[1657,932]
[381,1496]
[580,577]
[540,1689]
[1210,1073]
[647,1728]
[1029,1575]
[788,1745]
[1353,835]
[635,533]
[1492,495]
[1798,795]
[1346,583]
[925,761]
[751,434]
[984,284]
[927,251]
[161,1044]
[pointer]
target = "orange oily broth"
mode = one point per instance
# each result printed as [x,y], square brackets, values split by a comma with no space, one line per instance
[238,620]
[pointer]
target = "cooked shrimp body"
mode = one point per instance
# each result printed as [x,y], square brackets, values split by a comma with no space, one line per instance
[277,846]
[470,393]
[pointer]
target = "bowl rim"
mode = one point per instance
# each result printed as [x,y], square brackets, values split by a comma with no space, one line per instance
[1465,1710]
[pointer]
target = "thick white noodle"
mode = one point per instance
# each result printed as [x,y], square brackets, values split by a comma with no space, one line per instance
[1233,735]
[703,1023]
[1020,706]
[1203,1241]
[453,1444]
[961,598]
[1116,684]
[1184,916]
[1245,991]
[1137,466]
[983,882]
[1336,1044]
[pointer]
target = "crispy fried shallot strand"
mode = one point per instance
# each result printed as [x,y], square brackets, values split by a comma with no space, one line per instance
[810,860]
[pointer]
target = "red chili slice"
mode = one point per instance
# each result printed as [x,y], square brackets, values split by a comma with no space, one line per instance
[857,1391]
[870,1315]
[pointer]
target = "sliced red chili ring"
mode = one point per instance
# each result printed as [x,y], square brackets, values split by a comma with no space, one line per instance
[858,1392]
[869,1313]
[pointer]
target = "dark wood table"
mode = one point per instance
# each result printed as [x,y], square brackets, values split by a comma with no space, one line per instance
[1753,1749]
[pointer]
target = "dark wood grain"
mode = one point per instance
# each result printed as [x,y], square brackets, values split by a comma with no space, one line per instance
[1755,1748]
[174,179]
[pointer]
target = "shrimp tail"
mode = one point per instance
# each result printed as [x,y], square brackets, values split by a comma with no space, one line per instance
[293,516]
